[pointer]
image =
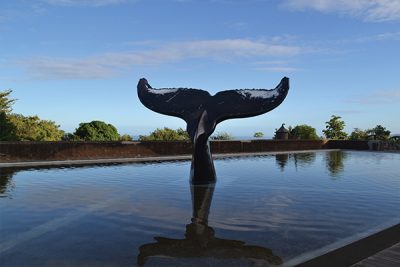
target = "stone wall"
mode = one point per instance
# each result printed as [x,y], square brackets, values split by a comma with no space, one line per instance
[390,145]
[38,151]
[347,144]
[31,151]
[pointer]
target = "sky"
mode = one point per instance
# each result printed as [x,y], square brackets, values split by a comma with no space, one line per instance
[74,61]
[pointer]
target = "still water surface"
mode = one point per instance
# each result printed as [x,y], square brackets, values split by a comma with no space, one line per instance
[263,211]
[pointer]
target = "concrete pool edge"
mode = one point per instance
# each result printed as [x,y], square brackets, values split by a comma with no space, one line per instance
[357,251]
[55,163]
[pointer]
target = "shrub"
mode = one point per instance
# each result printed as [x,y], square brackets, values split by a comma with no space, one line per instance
[96,131]
[166,134]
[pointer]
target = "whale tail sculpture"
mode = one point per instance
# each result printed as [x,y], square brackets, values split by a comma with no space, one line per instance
[202,112]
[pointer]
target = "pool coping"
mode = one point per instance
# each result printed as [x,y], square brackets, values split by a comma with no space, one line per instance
[357,251]
[73,162]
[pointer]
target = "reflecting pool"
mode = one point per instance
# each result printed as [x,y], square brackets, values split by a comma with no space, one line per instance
[273,210]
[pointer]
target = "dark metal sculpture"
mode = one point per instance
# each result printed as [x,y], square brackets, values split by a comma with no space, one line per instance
[202,112]
[200,240]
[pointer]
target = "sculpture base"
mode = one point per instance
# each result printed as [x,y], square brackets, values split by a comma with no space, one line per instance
[202,170]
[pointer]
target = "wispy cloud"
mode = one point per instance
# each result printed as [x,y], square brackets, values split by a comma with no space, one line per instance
[378,98]
[363,39]
[368,10]
[348,111]
[18,12]
[387,36]
[237,25]
[110,64]
[278,69]
[275,66]
[58,68]
[85,2]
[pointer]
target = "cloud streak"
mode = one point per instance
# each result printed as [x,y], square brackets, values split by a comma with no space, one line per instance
[368,10]
[387,36]
[93,3]
[110,64]
[378,98]
[278,69]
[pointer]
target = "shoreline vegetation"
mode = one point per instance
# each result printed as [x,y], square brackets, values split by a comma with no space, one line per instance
[17,127]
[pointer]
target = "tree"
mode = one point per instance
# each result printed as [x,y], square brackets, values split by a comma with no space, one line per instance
[379,132]
[125,137]
[7,130]
[17,127]
[32,128]
[166,134]
[358,134]
[96,131]
[258,134]
[222,136]
[5,102]
[71,137]
[303,131]
[334,128]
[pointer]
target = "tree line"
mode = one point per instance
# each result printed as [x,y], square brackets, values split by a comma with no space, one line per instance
[17,127]
[334,130]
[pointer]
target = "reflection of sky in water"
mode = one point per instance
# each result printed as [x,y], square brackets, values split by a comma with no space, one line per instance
[292,204]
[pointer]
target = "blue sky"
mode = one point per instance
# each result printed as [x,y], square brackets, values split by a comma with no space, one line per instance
[75,61]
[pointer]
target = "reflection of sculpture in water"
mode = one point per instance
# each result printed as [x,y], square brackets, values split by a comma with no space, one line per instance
[200,240]
[202,112]
[334,162]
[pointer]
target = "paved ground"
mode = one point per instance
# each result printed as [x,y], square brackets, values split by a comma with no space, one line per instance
[389,257]
[377,250]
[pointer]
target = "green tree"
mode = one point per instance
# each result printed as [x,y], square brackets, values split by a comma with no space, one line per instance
[17,127]
[125,137]
[303,131]
[258,134]
[7,129]
[334,128]
[5,101]
[222,136]
[166,134]
[379,132]
[71,137]
[32,128]
[358,134]
[96,131]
